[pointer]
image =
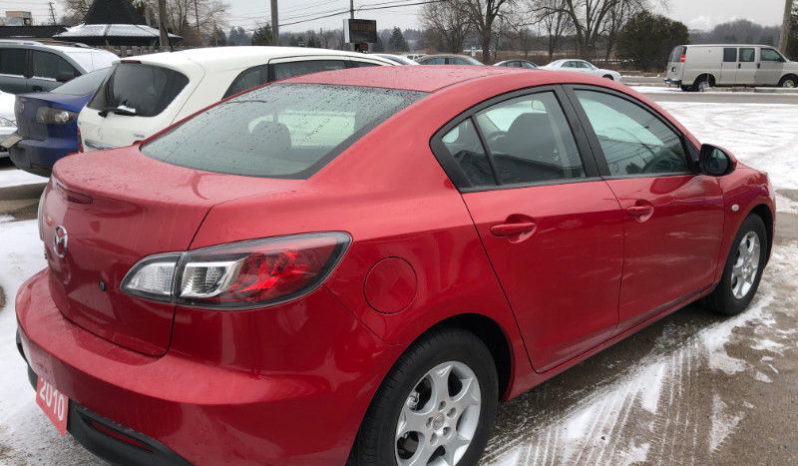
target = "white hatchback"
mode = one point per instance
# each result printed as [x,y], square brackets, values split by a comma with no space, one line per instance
[582,66]
[145,94]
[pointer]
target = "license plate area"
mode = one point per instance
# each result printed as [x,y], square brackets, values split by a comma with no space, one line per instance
[54,404]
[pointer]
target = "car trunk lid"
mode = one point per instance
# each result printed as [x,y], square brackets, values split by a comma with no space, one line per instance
[112,209]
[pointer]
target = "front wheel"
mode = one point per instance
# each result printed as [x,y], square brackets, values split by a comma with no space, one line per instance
[436,406]
[789,82]
[743,269]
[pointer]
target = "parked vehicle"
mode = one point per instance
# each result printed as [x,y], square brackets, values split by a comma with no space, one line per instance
[699,67]
[414,56]
[582,66]
[8,123]
[517,64]
[398,59]
[361,264]
[48,129]
[30,66]
[444,59]
[145,94]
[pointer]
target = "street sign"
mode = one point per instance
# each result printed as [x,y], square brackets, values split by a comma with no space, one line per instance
[357,31]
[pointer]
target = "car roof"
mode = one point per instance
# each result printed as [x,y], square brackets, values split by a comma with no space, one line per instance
[241,56]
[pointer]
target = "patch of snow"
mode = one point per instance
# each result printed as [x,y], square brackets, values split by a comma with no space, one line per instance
[723,423]
[655,375]
[17,177]
[762,377]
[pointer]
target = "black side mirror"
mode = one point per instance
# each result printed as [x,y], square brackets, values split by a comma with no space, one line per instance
[714,161]
[64,77]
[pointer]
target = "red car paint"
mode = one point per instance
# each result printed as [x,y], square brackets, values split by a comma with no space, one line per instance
[290,383]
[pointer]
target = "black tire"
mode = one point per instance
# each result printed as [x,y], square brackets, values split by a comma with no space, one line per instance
[789,81]
[722,299]
[608,76]
[700,81]
[688,89]
[376,444]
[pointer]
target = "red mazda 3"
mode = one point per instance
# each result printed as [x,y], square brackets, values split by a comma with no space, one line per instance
[359,265]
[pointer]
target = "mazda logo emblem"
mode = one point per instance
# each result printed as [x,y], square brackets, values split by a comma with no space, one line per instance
[60,239]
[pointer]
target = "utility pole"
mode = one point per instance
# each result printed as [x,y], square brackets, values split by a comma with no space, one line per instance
[52,14]
[162,23]
[196,16]
[275,24]
[785,26]
[352,9]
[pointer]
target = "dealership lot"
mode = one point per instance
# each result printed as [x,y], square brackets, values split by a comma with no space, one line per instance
[690,389]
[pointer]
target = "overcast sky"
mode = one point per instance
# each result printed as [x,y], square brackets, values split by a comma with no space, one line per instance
[699,14]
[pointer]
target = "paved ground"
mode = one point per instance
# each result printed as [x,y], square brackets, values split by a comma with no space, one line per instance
[695,388]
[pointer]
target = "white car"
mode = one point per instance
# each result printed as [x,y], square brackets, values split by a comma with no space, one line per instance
[8,124]
[581,66]
[145,94]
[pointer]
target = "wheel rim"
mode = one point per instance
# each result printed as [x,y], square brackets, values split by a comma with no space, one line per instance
[789,83]
[439,417]
[703,86]
[746,265]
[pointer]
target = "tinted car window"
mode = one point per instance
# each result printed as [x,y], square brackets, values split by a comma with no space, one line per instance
[676,54]
[147,89]
[530,140]
[249,78]
[12,61]
[633,140]
[463,144]
[365,64]
[747,55]
[435,61]
[770,55]
[730,55]
[527,65]
[49,65]
[282,130]
[83,85]
[297,68]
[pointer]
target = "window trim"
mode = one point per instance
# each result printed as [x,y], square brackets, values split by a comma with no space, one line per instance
[460,179]
[687,146]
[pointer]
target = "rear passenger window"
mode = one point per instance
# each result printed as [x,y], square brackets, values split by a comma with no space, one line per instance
[747,55]
[730,55]
[360,64]
[12,61]
[298,68]
[530,140]
[249,78]
[463,144]
[436,61]
[49,65]
[634,141]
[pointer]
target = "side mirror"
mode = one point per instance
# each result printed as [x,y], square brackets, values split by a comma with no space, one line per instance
[64,77]
[715,161]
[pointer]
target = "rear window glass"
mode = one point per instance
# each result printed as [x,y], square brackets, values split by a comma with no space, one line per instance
[676,54]
[83,85]
[279,131]
[145,88]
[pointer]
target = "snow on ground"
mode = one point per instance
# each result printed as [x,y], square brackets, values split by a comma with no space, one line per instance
[16,177]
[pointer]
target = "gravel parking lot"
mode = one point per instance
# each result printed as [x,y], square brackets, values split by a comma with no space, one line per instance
[695,388]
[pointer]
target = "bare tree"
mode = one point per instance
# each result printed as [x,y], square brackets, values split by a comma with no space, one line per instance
[447,23]
[193,19]
[617,18]
[553,20]
[74,10]
[483,14]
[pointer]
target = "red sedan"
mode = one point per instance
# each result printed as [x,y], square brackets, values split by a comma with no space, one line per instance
[359,265]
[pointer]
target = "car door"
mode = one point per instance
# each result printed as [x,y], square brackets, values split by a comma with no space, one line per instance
[46,69]
[746,67]
[728,67]
[770,68]
[674,215]
[551,227]
[13,70]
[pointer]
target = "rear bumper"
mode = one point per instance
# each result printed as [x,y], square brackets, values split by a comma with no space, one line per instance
[38,157]
[189,410]
[673,82]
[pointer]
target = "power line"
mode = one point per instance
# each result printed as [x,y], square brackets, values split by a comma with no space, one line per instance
[345,12]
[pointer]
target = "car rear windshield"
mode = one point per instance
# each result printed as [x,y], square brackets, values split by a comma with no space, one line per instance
[279,131]
[145,88]
[676,54]
[83,85]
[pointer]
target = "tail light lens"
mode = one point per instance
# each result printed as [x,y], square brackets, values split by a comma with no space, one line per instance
[240,275]
[681,60]
[80,141]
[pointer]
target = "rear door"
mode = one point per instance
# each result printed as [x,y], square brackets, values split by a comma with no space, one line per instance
[771,67]
[728,68]
[13,70]
[747,66]
[676,64]
[551,227]
[46,69]
[673,216]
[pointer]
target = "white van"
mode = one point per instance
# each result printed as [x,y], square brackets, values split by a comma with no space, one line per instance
[697,67]
[143,95]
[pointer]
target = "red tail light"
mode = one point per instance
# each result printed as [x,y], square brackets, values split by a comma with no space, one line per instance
[681,60]
[241,275]
[80,141]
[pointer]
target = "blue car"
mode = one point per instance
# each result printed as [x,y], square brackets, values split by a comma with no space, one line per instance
[47,125]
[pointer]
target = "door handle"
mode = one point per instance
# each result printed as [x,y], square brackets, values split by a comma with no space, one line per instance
[739,65]
[640,213]
[513,229]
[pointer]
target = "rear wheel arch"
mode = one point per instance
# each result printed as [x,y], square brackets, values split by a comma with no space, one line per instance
[708,77]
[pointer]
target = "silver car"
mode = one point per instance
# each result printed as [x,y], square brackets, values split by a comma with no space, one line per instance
[582,66]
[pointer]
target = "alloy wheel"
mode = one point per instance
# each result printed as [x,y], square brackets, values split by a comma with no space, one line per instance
[746,265]
[440,417]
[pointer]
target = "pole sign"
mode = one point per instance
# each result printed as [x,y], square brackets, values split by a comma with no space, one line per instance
[357,31]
